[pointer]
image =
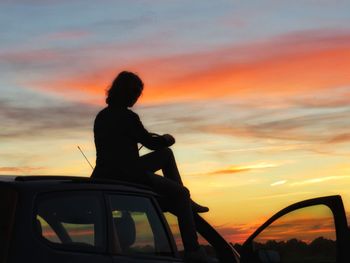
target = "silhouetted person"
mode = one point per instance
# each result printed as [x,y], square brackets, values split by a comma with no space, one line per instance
[117,131]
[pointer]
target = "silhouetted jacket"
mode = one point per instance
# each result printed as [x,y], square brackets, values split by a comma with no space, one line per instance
[117,132]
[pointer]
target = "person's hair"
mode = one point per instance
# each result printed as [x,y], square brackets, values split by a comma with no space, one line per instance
[125,89]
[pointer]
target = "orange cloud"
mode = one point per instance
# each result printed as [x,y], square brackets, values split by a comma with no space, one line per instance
[286,66]
[19,170]
[237,234]
[244,168]
[345,137]
[231,170]
[282,75]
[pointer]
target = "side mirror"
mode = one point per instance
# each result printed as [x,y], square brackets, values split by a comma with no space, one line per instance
[269,256]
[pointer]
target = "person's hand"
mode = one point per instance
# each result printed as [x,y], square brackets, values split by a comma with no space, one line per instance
[169,139]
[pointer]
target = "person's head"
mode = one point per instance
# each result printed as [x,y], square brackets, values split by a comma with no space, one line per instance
[125,90]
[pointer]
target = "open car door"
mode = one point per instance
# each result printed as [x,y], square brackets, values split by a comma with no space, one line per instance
[310,231]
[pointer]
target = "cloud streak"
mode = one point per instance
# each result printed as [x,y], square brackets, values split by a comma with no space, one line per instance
[320,180]
[281,182]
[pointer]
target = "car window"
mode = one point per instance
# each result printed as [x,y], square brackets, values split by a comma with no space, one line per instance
[138,227]
[305,235]
[72,220]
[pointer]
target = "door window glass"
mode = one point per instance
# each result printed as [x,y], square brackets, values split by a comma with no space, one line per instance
[138,228]
[73,220]
[305,235]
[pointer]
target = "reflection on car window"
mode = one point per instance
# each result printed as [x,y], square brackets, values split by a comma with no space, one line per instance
[74,219]
[80,233]
[138,227]
[45,230]
[305,235]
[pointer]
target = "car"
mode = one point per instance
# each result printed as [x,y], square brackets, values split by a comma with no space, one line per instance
[75,219]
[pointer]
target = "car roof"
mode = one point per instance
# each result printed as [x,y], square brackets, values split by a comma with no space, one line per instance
[60,182]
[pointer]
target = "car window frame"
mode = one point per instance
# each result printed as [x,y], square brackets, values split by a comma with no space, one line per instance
[64,247]
[8,205]
[110,228]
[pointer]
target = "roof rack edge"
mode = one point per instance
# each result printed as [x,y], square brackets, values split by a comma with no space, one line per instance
[78,179]
[24,178]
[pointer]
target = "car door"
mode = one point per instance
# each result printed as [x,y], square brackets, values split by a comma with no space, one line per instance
[310,231]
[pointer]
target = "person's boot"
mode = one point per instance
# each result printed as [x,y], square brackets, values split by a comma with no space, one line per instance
[197,256]
[199,208]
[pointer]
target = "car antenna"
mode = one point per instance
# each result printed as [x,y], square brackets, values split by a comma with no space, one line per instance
[85,157]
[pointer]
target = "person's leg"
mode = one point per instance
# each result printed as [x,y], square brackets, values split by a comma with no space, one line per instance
[164,160]
[179,198]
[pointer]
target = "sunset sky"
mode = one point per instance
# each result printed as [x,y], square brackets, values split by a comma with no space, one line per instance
[256,93]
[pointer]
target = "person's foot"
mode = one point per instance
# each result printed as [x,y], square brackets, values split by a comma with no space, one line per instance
[197,256]
[199,208]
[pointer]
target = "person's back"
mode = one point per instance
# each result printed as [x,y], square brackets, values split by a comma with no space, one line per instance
[116,150]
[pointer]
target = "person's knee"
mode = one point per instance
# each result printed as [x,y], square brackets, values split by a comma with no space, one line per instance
[165,151]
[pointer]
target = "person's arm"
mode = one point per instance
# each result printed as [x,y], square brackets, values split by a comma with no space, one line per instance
[150,140]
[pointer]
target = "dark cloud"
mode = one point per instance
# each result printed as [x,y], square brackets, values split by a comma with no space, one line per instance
[49,120]
[338,97]
[292,122]
[315,128]
[330,102]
